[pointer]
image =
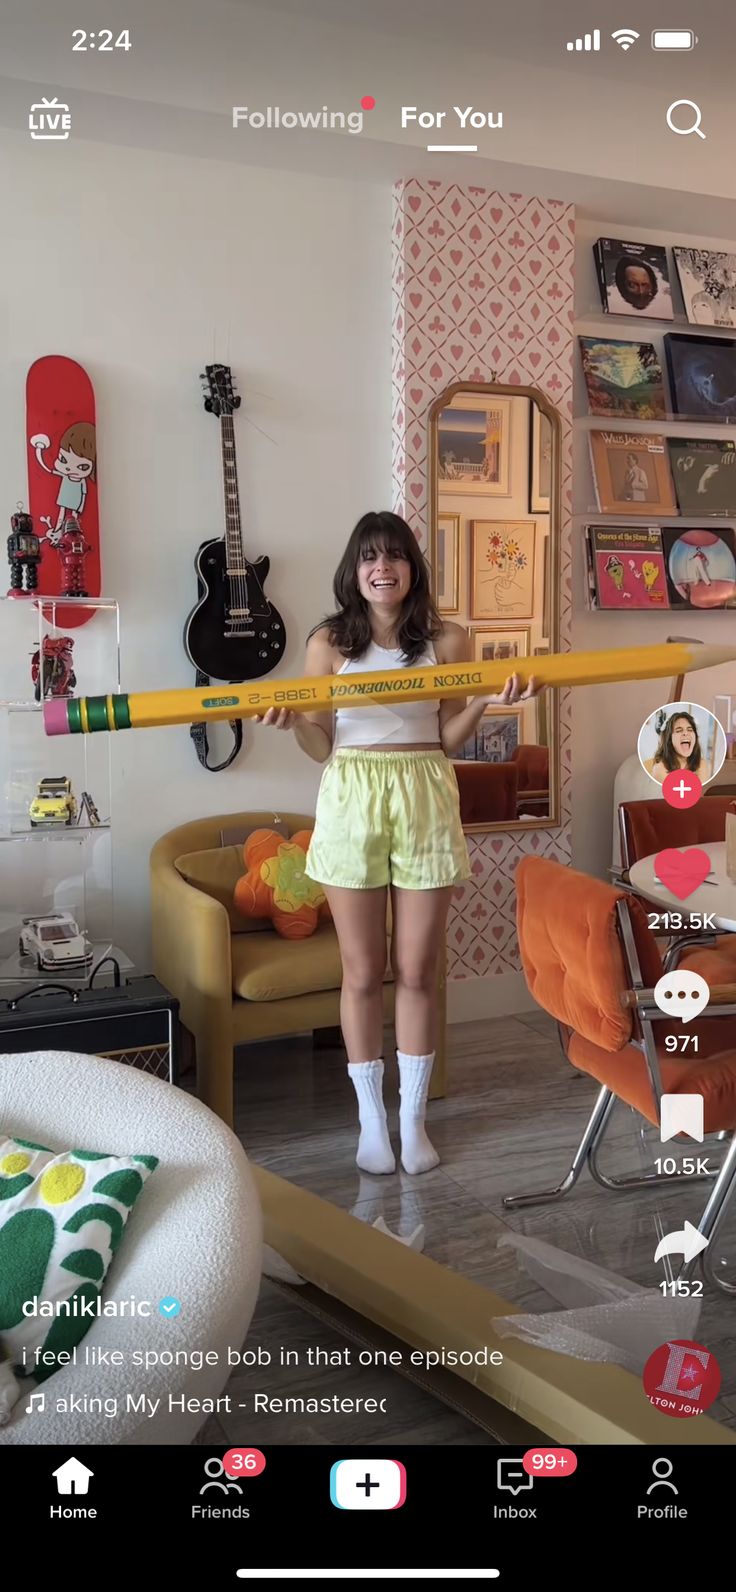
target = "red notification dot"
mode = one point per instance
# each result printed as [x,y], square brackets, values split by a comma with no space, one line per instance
[241,1463]
[367,103]
[550,1462]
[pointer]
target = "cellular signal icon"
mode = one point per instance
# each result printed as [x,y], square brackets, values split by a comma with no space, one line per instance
[625,37]
[588,42]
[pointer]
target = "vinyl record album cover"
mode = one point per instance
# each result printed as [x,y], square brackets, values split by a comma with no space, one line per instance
[702,373]
[704,473]
[708,285]
[623,378]
[634,279]
[701,567]
[627,567]
[632,473]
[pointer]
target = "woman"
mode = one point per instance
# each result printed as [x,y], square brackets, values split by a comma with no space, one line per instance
[388,816]
[679,747]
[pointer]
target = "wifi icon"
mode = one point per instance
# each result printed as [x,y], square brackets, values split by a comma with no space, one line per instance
[625,37]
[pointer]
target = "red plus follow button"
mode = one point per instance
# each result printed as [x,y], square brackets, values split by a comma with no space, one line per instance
[550,1462]
[681,788]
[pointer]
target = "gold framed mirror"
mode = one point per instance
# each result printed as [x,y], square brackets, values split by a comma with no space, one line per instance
[494,552]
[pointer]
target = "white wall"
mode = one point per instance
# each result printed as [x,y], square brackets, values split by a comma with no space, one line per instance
[143,267]
[607,719]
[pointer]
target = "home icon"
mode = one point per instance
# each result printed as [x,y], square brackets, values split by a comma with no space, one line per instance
[72,1476]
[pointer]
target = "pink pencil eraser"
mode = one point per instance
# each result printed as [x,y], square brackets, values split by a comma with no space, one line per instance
[55,717]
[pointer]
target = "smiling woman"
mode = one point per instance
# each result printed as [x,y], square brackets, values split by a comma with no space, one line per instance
[388,818]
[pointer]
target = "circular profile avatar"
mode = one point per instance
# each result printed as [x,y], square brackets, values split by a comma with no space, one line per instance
[681,737]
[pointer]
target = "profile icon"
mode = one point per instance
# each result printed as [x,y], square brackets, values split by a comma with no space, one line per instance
[681,737]
[662,1469]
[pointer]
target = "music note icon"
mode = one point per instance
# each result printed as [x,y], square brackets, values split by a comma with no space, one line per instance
[37,1402]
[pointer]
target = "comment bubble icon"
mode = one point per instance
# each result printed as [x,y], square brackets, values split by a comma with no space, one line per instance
[682,995]
[511,1476]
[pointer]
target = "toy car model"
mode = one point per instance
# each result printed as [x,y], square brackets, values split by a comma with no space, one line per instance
[55,941]
[53,803]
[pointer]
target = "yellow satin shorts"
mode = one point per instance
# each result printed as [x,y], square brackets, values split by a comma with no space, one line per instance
[388,818]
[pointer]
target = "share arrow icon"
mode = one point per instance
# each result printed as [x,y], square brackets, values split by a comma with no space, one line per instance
[688,1242]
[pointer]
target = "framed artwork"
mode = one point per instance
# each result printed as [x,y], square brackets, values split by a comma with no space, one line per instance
[474,446]
[492,646]
[496,737]
[502,569]
[540,462]
[447,563]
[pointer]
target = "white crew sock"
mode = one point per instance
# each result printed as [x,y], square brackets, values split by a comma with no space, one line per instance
[374,1147]
[417,1154]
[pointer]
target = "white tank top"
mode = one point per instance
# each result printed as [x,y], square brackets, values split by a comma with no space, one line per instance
[406,723]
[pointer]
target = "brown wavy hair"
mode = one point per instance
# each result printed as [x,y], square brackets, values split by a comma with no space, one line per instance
[666,753]
[349,627]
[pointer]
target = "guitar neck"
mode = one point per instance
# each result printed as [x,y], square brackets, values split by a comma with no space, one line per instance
[236,560]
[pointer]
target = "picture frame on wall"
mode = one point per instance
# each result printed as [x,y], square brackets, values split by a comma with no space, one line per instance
[540,462]
[447,563]
[502,556]
[492,646]
[474,447]
[496,737]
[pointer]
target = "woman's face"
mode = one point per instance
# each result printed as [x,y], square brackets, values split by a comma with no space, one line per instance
[384,577]
[683,738]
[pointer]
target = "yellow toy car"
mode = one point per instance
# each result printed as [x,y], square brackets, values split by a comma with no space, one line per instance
[53,803]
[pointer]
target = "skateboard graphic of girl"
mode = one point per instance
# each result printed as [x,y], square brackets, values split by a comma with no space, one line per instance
[75,465]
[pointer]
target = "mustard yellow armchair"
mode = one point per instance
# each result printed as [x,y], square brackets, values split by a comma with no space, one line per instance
[238,982]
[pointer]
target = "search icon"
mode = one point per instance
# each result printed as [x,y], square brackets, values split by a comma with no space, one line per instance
[684,131]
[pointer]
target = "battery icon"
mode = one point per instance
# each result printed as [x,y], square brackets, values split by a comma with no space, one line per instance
[673,39]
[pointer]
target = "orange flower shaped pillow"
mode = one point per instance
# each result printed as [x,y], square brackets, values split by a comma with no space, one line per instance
[276,885]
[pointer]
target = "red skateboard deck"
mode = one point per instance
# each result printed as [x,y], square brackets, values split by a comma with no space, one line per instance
[62,480]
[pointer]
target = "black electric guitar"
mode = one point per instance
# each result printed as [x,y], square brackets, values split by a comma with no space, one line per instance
[234,632]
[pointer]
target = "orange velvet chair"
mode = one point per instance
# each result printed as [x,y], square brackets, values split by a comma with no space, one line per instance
[487,792]
[591,960]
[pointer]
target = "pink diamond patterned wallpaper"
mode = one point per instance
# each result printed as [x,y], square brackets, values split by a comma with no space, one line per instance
[482,284]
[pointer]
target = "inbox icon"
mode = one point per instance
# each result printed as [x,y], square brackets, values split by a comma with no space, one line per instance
[368,1484]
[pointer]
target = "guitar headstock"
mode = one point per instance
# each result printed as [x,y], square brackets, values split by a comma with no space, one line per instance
[220,397]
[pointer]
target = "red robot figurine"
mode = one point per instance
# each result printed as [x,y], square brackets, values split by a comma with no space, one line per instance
[59,678]
[72,549]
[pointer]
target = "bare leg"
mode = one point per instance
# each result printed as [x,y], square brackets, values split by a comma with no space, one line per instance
[419,918]
[419,928]
[360,920]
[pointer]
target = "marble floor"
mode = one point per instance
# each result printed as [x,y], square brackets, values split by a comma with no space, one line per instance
[510,1122]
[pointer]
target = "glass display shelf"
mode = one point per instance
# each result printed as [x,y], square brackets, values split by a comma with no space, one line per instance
[594,316]
[94,654]
[69,833]
[20,971]
[685,521]
[699,423]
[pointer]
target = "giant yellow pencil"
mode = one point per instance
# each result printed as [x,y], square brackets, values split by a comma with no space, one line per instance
[145,709]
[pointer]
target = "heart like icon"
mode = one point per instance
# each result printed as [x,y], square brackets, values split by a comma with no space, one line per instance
[682,871]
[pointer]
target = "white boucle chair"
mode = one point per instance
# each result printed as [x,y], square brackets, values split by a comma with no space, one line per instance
[195,1232]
